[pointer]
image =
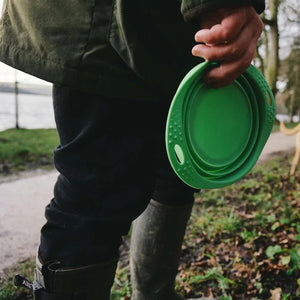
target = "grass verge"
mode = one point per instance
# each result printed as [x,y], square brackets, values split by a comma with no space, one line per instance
[242,242]
[7,289]
[23,149]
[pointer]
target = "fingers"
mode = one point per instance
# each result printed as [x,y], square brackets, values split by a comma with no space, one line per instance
[218,34]
[223,27]
[225,51]
[231,41]
[228,71]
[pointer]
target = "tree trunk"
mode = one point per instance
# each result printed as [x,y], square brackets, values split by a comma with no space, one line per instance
[272,64]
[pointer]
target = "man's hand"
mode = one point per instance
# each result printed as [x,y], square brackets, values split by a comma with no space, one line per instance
[228,36]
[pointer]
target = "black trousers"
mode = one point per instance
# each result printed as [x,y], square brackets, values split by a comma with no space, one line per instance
[112,161]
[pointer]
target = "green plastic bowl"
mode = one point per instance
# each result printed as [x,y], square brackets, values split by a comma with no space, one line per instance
[238,160]
[215,136]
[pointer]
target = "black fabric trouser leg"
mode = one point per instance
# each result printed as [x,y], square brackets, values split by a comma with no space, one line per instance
[112,161]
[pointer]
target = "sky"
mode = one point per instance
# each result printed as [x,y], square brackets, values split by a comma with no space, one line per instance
[8,74]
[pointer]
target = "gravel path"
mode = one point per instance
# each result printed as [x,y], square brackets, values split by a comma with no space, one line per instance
[22,204]
[278,144]
[23,200]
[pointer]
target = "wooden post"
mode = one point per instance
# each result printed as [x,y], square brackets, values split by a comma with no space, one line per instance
[292,131]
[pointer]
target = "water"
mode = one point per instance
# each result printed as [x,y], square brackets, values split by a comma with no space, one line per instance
[35,111]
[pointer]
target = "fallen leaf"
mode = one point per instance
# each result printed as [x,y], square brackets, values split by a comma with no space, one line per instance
[285,260]
[285,241]
[276,294]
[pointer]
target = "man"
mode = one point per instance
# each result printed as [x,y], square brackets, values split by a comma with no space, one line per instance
[115,66]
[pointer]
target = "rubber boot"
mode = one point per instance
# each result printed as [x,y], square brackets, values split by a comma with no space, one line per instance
[155,250]
[53,282]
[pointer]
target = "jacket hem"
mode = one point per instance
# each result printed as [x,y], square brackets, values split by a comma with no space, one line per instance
[127,86]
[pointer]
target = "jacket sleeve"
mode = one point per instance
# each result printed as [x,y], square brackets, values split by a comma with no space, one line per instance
[192,10]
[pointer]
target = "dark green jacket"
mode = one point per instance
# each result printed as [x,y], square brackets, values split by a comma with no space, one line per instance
[119,48]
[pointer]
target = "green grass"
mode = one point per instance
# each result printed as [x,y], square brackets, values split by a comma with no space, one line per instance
[246,237]
[242,241]
[7,289]
[22,149]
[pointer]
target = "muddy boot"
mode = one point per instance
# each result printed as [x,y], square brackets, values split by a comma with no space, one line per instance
[155,251]
[53,282]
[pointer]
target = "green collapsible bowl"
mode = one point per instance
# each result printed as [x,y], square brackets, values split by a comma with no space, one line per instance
[242,84]
[215,136]
[236,154]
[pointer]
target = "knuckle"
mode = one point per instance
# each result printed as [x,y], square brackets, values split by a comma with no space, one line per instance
[209,53]
[210,56]
[223,74]
[245,64]
[227,81]
[229,77]
[259,20]
[259,28]
[226,34]
[235,51]
[248,59]
[260,24]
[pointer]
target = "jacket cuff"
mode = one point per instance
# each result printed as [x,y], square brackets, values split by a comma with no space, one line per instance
[192,10]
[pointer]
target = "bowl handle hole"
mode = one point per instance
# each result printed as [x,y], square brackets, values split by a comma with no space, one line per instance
[269,98]
[179,154]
